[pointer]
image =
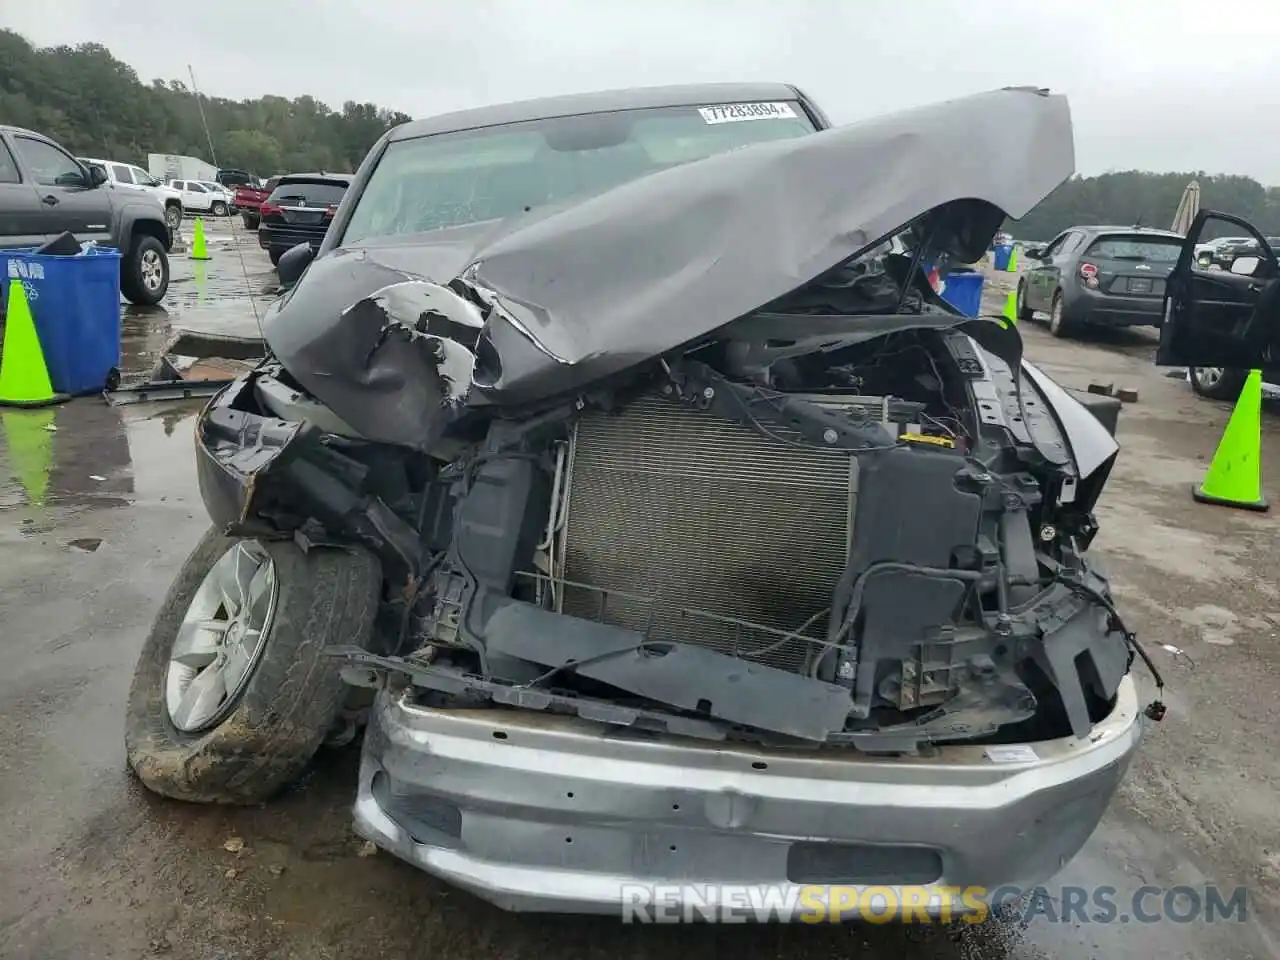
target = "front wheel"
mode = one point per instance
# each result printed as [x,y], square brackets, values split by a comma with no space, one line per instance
[232,694]
[1024,312]
[1217,383]
[144,272]
[219,209]
[1059,326]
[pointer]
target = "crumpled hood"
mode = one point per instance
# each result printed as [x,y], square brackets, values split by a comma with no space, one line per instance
[586,290]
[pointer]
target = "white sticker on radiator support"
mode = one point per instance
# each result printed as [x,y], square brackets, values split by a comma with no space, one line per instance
[737,112]
[1012,753]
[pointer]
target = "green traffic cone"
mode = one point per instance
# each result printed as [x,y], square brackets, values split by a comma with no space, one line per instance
[1011,308]
[24,377]
[198,249]
[1013,260]
[1235,474]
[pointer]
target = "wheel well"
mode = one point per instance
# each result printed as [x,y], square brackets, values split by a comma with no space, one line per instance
[152,228]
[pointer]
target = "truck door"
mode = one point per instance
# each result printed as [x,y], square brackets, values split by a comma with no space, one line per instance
[1222,318]
[21,213]
[68,197]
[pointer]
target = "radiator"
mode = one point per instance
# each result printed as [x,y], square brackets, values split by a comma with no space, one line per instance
[702,520]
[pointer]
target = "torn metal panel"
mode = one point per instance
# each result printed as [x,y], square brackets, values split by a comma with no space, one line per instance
[395,364]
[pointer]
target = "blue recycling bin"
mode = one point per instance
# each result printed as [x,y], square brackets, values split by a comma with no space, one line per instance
[75,302]
[1003,252]
[963,290]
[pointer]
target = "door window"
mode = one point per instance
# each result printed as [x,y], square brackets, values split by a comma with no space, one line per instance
[1055,248]
[143,178]
[52,167]
[121,173]
[194,187]
[8,168]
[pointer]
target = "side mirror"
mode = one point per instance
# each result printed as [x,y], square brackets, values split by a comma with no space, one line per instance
[97,176]
[293,262]
[1245,266]
[1034,253]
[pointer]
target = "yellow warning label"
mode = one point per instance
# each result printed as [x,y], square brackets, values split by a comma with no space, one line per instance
[922,438]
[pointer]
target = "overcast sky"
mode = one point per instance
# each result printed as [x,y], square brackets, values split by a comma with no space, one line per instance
[1158,85]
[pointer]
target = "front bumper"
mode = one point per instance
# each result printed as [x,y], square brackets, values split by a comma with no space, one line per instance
[547,813]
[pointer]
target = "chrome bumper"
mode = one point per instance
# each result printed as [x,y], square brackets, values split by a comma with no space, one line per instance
[548,813]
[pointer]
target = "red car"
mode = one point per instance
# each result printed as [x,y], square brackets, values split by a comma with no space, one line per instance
[249,201]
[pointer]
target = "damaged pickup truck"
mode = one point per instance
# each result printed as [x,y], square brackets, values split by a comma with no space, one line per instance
[616,468]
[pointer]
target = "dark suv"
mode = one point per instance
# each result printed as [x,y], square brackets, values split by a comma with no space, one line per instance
[45,191]
[1108,276]
[299,210]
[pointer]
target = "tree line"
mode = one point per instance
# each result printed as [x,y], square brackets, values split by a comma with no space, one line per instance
[96,105]
[1137,197]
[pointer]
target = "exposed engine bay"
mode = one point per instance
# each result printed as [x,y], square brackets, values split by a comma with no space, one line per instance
[852,517]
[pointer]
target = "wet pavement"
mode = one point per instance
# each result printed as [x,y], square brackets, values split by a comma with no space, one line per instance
[223,295]
[97,514]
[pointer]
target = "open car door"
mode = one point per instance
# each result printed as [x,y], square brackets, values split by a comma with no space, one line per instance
[1221,318]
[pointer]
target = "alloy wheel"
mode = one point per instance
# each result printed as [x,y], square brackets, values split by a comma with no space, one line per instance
[221,638]
[1210,377]
[152,270]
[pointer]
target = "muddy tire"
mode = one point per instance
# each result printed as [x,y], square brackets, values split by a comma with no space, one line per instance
[280,715]
[144,271]
[219,209]
[275,256]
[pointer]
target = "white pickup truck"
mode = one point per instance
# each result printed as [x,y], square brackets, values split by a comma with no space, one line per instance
[127,176]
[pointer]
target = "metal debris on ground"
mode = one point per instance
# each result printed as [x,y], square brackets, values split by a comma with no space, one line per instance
[233,845]
[164,390]
[1177,652]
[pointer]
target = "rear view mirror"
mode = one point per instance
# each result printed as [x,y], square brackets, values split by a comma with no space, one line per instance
[293,262]
[1245,266]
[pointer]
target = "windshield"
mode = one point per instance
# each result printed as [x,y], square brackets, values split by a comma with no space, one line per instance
[452,179]
[1158,249]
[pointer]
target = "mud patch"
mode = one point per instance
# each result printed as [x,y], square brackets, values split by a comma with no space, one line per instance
[1215,625]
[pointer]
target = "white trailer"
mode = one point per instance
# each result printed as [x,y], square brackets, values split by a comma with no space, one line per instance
[172,166]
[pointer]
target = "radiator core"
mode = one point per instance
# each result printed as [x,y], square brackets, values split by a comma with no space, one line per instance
[697,512]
